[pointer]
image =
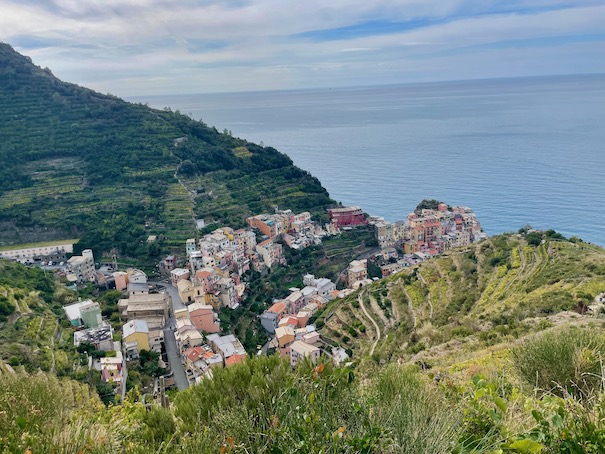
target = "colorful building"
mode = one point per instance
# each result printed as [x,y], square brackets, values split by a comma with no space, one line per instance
[347,216]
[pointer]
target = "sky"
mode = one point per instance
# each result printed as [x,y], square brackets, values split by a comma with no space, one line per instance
[147,47]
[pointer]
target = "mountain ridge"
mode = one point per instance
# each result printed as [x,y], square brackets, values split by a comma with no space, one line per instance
[98,167]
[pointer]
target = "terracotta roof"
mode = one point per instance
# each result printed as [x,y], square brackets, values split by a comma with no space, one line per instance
[235,359]
[194,353]
[289,320]
[278,307]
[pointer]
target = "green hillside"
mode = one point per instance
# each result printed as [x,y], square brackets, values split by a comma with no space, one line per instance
[76,163]
[451,307]
[34,334]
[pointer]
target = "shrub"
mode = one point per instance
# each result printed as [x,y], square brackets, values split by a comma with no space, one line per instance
[566,361]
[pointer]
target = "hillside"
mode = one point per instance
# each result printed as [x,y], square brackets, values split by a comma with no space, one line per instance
[76,163]
[452,307]
[34,335]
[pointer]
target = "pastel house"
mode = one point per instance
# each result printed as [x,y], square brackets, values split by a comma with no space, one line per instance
[135,337]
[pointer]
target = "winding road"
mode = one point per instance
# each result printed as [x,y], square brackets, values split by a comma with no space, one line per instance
[365,311]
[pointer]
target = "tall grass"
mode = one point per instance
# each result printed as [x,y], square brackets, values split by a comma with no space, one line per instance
[416,415]
[564,362]
[45,414]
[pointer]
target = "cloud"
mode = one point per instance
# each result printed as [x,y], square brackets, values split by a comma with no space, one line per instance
[132,47]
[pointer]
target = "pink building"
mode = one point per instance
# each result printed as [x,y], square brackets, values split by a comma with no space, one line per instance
[347,216]
[121,279]
[203,318]
[294,302]
[206,279]
[178,274]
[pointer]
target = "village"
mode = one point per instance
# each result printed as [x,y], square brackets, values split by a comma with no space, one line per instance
[177,318]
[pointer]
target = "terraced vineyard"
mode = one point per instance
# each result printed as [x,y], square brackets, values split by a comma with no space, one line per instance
[467,300]
[31,334]
[76,163]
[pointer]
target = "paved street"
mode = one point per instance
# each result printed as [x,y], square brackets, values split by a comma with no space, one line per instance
[174,295]
[174,358]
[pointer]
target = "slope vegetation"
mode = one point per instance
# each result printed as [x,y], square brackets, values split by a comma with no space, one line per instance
[454,305]
[32,336]
[74,162]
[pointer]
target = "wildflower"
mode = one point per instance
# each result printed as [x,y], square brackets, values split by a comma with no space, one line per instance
[339,432]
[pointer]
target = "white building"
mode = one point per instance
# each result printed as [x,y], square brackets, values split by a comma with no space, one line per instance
[82,267]
[300,349]
[27,253]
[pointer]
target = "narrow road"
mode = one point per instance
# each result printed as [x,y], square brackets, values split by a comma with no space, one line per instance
[174,357]
[363,308]
[124,378]
[175,360]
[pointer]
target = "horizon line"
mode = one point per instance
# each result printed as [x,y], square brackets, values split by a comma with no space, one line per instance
[349,87]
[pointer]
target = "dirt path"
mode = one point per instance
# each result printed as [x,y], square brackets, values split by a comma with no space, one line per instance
[428,297]
[52,349]
[410,305]
[365,311]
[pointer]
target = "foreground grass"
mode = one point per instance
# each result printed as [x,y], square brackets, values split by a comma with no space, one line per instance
[262,406]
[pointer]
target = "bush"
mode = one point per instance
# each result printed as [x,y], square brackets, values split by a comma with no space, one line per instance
[561,362]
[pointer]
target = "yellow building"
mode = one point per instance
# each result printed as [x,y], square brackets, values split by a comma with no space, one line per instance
[285,335]
[186,291]
[135,337]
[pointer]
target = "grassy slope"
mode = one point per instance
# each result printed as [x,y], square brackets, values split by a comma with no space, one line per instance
[32,337]
[451,308]
[96,167]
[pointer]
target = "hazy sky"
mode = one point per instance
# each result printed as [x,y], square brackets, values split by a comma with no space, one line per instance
[138,47]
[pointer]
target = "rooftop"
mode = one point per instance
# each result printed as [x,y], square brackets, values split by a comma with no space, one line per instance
[284,331]
[199,306]
[278,307]
[138,287]
[135,326]
[73,310]
[344,209]
[228,345]
[147,298]
[302,348]
[93,335]
[78,259]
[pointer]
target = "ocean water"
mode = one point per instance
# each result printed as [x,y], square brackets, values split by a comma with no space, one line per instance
[518,151]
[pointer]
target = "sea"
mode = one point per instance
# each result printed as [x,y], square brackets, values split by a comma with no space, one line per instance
[517,151]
